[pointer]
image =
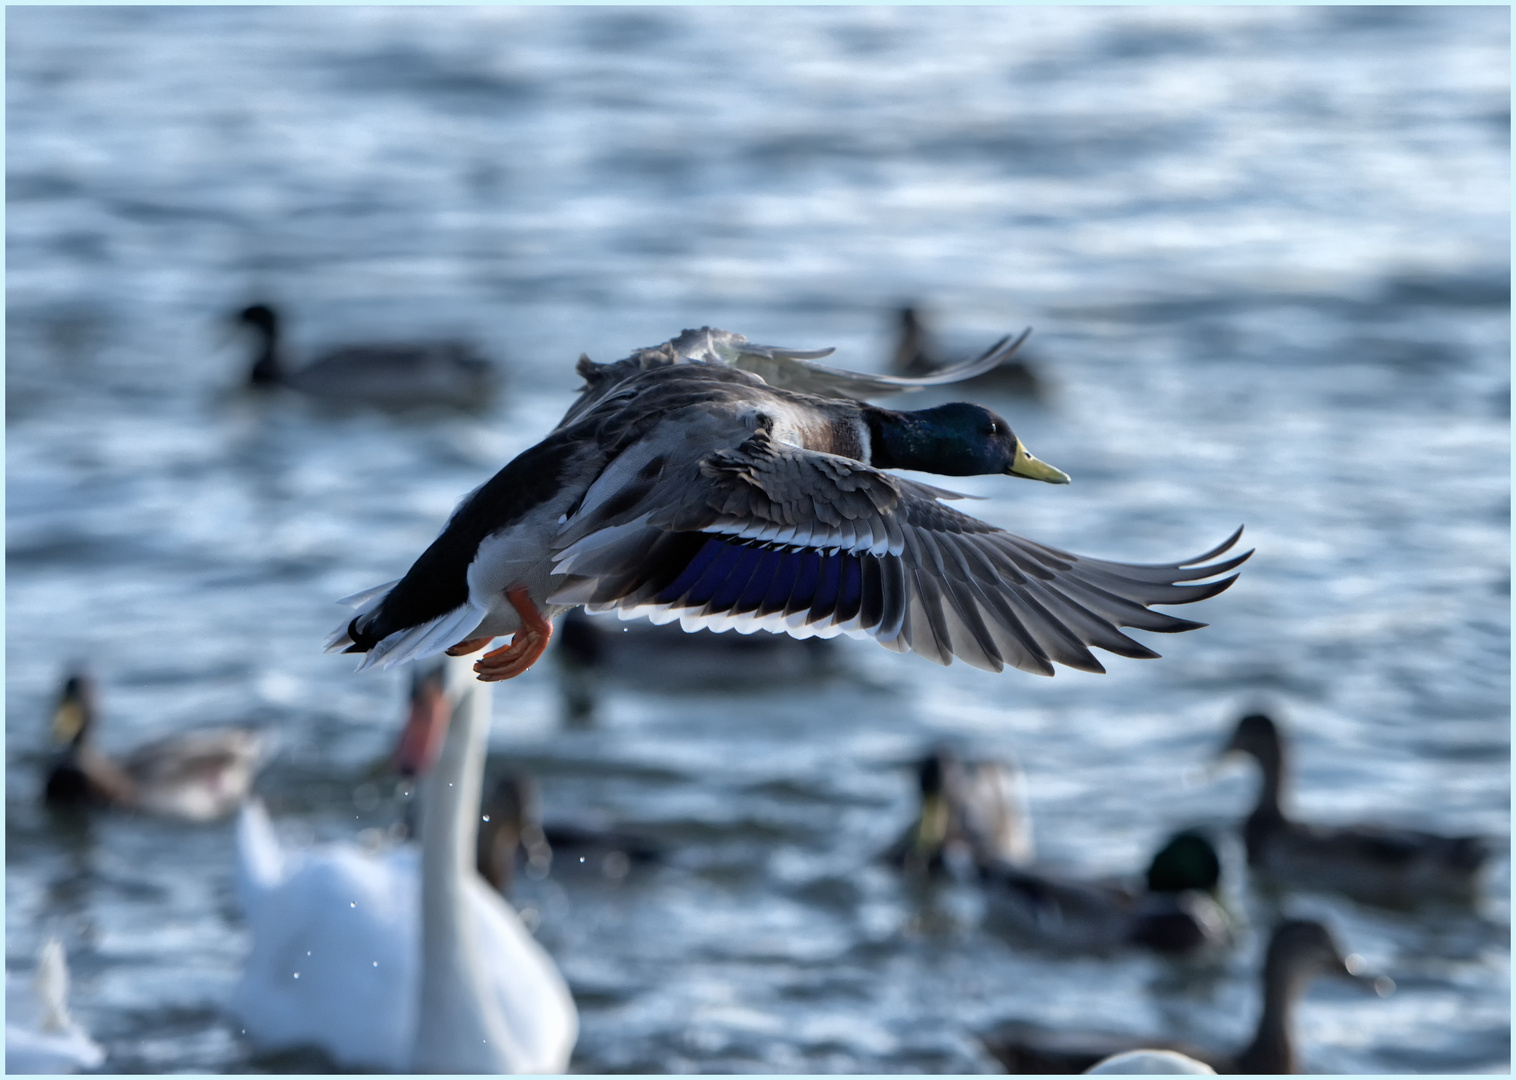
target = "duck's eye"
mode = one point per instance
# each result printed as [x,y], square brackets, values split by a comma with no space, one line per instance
[994,428]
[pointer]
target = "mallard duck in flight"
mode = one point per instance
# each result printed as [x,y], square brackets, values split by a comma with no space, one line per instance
[683,485]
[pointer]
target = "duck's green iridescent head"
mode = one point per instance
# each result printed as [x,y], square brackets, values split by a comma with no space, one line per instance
[1187,861]
[957,439]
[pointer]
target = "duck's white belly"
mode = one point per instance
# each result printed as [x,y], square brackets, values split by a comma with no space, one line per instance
[519,555]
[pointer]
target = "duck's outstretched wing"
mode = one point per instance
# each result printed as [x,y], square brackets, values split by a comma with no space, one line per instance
[703,346]
[795,371]
[773,537]
[787,369]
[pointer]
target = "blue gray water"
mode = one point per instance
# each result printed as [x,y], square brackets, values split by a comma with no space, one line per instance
[1265,253]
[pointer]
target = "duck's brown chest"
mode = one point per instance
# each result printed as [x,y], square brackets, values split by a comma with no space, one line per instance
[847,438]
[826,433]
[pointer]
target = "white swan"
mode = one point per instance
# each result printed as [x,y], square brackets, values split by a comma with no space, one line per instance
[40,1036]
[383,967]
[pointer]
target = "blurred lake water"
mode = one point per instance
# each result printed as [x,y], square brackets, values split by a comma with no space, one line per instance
[1266,255]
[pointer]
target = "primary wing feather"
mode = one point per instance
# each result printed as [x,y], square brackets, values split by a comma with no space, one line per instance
[787,369]
[792,370]
[770,536]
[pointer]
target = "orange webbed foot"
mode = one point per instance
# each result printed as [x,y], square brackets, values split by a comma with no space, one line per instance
[526,647]
[463,648]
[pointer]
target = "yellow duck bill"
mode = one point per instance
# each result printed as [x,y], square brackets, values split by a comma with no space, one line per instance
[1024,464]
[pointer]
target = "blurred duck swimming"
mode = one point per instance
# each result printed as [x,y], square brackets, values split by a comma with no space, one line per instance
[972,812]
[736,486]
[403,960]
[512,832]
[41,1038]
[1174,911]
[1374,863]
[393,375]
[1298,951]
[196,775]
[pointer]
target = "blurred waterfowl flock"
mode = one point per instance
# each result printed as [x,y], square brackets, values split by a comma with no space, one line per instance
[631,776]
[685,486]
[1298,950]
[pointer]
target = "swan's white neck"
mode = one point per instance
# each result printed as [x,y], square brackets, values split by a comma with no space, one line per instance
[459,1026]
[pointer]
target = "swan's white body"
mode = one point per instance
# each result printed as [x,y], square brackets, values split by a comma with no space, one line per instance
[406,961]
[40,1036]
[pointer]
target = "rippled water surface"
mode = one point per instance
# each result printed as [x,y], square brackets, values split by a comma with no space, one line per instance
[1265,252]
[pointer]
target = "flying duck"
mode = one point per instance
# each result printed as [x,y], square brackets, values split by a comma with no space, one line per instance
[1374,863]
[393,375]
[683,486]
[1173,911]
[196,775]
[1298,950]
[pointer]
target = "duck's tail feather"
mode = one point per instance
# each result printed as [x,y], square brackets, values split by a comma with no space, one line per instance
[361,599]
[425,639]
[366,602]
[410,643]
